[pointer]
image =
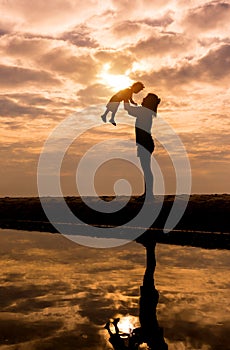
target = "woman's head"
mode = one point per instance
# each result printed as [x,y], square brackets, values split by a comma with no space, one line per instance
[151,101]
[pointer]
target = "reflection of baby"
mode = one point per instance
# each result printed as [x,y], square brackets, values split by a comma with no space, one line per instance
[122,95]
[115,338]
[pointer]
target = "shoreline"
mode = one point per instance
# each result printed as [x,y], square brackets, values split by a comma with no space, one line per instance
[204,223]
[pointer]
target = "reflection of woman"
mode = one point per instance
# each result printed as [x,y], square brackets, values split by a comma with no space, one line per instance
[152,334]
[145,145]
[149,332]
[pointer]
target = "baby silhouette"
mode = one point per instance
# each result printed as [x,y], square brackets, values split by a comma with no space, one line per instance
[122,95]
[115,338]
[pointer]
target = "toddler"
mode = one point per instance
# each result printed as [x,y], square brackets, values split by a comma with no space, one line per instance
[122,95]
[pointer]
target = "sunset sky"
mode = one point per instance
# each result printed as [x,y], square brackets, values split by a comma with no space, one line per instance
[61,57]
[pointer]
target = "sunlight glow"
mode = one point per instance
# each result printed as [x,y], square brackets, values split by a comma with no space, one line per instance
[127,324]
[115,81]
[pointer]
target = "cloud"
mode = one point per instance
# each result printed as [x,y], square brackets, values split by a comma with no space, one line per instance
[25,46]
[13,76]
[139,28]
[3,31]
[212,41]
[159,45]
[163,21]
[214,67]
[30,98]
[45,110]
[216,64]
[138,7]
[124,28]
[13,109]
[48,16]
[53,56]
[81,69]
[118,60]
[93,94]
[125,5]
[80,36]
[209,16]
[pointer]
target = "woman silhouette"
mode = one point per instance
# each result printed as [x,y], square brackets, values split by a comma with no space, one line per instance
[144,115]
[149,332]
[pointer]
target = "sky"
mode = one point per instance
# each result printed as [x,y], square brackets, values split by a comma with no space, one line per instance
[67,58]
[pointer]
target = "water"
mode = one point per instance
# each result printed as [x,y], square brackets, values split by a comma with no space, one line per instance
[56,294]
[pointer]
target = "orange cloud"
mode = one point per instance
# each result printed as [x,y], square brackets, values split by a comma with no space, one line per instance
[13,76]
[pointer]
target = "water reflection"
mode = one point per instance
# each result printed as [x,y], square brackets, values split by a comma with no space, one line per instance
[149,335]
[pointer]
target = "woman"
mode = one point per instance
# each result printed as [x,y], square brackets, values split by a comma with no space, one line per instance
[144,115]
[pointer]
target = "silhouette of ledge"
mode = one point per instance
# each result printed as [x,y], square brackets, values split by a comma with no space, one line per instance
[202,239]
[205,222]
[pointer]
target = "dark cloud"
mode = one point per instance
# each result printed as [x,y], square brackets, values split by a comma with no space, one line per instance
[216,64]
[3,31]
[93,94]
[125,28]
[208,16]
[29,98]
[11,125]
[19,331]
[162,44]
[163,21]
[212,68]
[26,45]
[38,100]
[12,76]
[209,41]
[80,36]
[200,147]
[81,69]
[7,24]
[198,336]
[17,147]
[30,106]
[10,108]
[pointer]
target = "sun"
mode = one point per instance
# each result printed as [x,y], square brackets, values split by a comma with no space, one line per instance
[127,323]
[115,81]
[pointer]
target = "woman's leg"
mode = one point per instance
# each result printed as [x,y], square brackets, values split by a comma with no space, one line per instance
[145,159]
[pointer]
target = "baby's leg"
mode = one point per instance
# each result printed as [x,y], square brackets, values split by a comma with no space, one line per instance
[112,120]
[107,326]
[115,322]
[103,117]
